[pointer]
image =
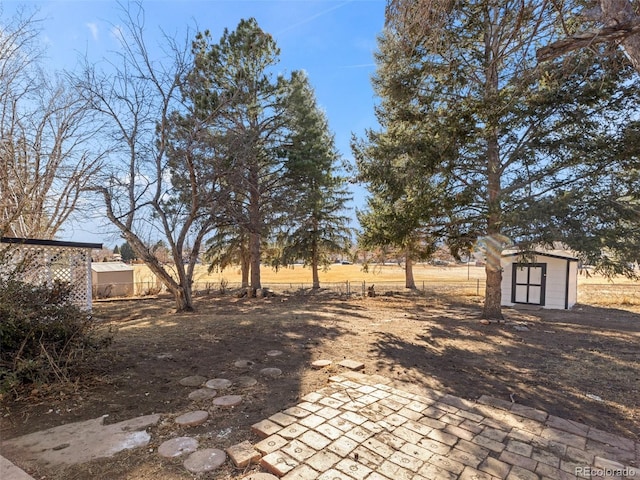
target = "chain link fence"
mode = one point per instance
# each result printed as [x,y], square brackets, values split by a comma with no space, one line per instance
[346,288]
[609,294]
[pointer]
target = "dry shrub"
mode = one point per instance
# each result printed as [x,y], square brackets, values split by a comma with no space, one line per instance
[44,336]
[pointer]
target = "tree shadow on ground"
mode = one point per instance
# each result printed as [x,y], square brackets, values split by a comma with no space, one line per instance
[583,365]
[154,348]
[553,364]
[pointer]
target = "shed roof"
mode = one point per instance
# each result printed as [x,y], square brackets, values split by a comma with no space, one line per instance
[110,267]
[564,254]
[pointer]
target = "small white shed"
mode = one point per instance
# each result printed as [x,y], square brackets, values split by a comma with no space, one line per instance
[112,279]
[546,278]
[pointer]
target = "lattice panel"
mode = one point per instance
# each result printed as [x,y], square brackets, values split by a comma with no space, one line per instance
[48,264]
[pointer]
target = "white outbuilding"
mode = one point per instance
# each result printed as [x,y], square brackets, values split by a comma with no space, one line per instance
[545,278]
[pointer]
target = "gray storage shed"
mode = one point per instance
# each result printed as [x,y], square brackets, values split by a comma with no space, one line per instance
[546,278]
[112,279]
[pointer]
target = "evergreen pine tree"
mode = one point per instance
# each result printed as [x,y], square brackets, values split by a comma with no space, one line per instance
[317,225]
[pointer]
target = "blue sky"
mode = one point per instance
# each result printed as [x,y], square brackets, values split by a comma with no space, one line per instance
[333,41]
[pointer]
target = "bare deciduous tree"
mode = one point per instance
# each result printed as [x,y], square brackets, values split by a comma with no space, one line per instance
[46,159]
[140,99]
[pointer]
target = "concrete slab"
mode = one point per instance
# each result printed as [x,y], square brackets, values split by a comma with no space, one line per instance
[8,471]
[80,442]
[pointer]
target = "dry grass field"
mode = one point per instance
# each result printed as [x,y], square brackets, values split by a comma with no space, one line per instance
[463,280]
[336,273]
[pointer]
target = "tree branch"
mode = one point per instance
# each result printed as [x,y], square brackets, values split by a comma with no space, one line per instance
[616,33]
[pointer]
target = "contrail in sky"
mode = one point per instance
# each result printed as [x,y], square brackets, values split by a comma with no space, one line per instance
[360,65]
[313,17]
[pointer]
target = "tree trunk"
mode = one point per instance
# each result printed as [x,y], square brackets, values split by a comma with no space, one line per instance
[493,242]
[316,277]
[245,267]
[493,295]
[314,262]
[408,273]
[181,293]
[183,299]
[254,249]
[255,227]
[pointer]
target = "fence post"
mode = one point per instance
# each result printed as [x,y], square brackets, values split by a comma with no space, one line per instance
[364,288]
[478,287]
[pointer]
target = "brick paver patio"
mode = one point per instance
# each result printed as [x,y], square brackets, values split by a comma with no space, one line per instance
[363,427]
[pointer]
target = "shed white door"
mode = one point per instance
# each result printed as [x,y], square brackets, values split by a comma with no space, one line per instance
[529,281]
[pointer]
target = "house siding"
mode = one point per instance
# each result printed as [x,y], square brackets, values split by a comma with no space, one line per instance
[572,297]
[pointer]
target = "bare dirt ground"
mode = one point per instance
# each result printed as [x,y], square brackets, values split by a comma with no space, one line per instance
[582,365]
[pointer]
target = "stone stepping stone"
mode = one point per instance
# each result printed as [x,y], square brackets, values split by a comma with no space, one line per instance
[271,372]
[205,460]
[245,381]
[218,383]
[191,419]
[260,476]
[177,446]
[202,394]
[351,364]
[274,353]
[243,364]
[228,401]
[318,364]
[193,381]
